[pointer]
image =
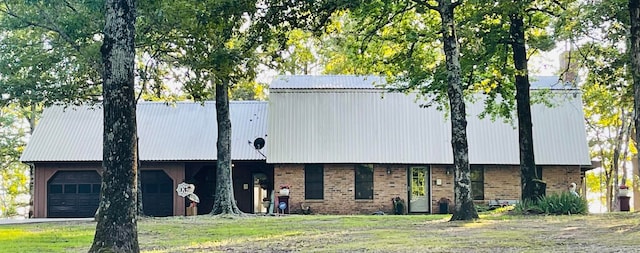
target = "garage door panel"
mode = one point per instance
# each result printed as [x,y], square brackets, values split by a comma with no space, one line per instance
[86,202]
[157,193]
[73,194]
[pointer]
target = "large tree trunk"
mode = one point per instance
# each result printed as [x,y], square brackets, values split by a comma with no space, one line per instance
[634,49]
[116,230]
[532,187]
[464,207]
[225,201]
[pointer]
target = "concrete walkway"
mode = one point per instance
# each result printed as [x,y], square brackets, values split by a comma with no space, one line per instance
[40,220]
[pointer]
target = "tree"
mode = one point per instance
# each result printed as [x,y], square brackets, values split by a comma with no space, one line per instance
[634,52]
[521,27]
[44,59]
[397,39]
[609,121]
[210,45]
[49,54]
[218,45]
[600,35]
[464,207]
[531,190]
[116,230]
[13,174]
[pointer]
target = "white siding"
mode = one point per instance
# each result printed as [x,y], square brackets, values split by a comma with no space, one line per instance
[368,126]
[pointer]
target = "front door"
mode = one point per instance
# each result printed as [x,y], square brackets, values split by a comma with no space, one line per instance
[260,193]
[419,201]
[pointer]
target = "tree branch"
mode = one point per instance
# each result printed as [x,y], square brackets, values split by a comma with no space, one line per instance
[383,22]
[425,3]
[70,6]
[65,37]
[536,9]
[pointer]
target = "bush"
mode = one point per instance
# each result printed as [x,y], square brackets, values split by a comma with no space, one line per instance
[528,207]
[563,203]
[558,204]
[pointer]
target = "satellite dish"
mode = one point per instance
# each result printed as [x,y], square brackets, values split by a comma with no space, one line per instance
[258,143]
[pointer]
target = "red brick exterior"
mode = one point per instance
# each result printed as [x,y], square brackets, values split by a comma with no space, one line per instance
[500,182]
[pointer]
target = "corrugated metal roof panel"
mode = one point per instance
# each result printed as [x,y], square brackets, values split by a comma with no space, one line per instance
[378,82]
[327,82]
[353,126]
[76,136]
[184,131]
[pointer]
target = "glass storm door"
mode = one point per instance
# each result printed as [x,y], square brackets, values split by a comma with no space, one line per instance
[419,190]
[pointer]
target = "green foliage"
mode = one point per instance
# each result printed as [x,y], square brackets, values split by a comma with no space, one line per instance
[14,177]
[400,40]
[248,90]
[49,52]
[527,206]
[563,203]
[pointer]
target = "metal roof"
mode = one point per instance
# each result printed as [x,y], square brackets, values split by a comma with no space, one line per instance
[357,126]
[321,82]
[174,132]
[327,82]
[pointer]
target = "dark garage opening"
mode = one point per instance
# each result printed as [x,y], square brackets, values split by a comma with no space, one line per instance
[73,194]
[157,193]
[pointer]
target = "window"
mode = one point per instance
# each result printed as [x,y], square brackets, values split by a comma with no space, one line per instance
[477,182]
[364,181]
[314,181]
[55,188]
[84,188]
[70,188]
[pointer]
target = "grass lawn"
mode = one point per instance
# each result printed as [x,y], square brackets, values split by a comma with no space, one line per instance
[615,232]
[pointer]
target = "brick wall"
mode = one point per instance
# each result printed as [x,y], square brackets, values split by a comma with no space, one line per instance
[339,188]
[444,190]
[501,182]
[558,178]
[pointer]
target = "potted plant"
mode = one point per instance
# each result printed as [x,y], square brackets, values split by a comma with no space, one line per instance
[284,189]
[624,190]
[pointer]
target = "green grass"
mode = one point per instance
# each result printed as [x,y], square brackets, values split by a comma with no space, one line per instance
[494,232]
[45,237]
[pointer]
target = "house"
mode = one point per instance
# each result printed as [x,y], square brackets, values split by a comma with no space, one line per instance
[347,146]
[177,143]
[342,143]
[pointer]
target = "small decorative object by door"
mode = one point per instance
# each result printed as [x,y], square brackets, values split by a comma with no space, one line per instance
[624,190]
[187,190]
[284,190]
[623,198]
